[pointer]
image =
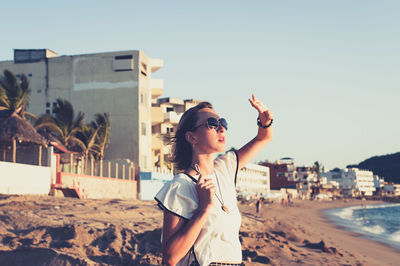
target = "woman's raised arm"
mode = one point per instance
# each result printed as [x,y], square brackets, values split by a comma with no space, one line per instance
[264,135]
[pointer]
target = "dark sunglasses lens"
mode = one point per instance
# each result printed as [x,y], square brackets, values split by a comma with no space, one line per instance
[212,122]
[223,123]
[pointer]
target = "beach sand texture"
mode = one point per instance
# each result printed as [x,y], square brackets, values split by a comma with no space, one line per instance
[43,230]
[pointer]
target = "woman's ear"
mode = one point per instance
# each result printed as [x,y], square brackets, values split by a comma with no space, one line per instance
[190,137]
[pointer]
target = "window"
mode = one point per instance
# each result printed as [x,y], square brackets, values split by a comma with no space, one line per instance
[141,98]
[143,73]
[144,66]
[30,75]
[123,63]
[170,129]
[123,57]
[39,91]
[170,109]
[47,104]
[48,111]
[144,129]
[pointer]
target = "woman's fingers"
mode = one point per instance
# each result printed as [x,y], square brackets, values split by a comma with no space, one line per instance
[257,104]
[200,180]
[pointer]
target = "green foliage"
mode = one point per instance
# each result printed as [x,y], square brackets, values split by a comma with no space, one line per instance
[102,124]
[88,139]
[64,124]
[14,93]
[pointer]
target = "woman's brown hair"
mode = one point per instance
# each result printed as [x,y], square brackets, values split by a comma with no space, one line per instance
[182,149]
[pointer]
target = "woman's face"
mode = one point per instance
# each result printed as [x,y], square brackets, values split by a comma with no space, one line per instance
[208,140]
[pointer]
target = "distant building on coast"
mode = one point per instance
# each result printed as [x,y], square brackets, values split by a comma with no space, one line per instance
[253,179]
[391,189]
[353,181]
[119,83]
[282,173]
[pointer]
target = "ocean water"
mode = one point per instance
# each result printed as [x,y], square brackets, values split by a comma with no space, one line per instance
[379,222]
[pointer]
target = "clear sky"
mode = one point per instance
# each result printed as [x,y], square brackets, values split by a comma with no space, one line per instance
[329,70]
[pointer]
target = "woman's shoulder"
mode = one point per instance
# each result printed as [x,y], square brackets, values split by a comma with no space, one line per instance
[229,159]
[179,181]
[183,178]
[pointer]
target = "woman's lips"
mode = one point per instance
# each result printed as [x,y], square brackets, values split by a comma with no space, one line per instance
[221,139]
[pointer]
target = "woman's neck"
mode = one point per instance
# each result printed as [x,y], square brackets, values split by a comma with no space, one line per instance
[205,164]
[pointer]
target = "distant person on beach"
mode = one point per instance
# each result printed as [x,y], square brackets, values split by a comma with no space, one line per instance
[258,205]
[201,217]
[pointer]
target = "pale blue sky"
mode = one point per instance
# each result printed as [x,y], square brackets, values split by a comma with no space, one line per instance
[329,70]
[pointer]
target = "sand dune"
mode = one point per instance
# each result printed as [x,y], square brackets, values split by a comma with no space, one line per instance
[42,230]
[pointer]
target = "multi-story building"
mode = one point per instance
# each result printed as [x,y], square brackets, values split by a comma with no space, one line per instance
[391,189]
[306,178]
[282,173]
[378,182]
[165,116]
[353,181]
[253,179]
[118,83]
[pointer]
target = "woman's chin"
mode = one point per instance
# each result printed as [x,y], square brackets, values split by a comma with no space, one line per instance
[222,147]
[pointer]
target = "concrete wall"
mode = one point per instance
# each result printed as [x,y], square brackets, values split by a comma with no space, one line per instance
[100,187]
[18,178]
[93,83]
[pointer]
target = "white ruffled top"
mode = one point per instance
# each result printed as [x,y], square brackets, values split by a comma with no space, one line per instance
[218,240]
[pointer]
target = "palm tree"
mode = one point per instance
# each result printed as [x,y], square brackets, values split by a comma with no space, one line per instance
[103,125]
[317,169]
[14,98]
[64,124]
[14,94]
[89,148]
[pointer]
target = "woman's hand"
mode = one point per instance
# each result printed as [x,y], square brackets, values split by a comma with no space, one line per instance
[205,189]
[265,115]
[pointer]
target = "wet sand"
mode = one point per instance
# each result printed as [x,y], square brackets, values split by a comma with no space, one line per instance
[43,230]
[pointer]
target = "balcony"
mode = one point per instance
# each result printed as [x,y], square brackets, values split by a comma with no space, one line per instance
[157,116]
[156,64]
[172,117]
[156,87]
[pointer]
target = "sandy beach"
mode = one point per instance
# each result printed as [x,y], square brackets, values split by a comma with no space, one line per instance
[43,230]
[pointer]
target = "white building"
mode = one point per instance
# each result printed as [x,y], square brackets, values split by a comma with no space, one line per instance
[118,83]
[253,179]
[353,181]
[392,189]
[378,182]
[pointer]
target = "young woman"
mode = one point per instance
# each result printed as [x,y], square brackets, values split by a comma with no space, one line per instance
[201,218]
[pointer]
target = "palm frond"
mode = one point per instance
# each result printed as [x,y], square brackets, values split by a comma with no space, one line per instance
[51,126]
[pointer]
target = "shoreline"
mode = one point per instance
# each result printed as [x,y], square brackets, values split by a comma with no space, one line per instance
[314,229]
[57,231]
[351,227]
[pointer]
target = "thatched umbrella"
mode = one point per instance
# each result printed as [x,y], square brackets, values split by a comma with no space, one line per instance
[14,128]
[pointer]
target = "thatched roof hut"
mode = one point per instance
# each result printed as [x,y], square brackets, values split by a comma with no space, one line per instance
[15,129]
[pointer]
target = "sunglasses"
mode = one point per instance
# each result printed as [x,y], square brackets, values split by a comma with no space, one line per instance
[213,123]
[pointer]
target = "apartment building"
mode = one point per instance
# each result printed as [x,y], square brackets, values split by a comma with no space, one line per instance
[353,181]
[253,179]
[118,83]
[282,173]
[165,116]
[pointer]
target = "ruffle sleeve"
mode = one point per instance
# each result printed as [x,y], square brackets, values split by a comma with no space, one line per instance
[230,162]
[179,197]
